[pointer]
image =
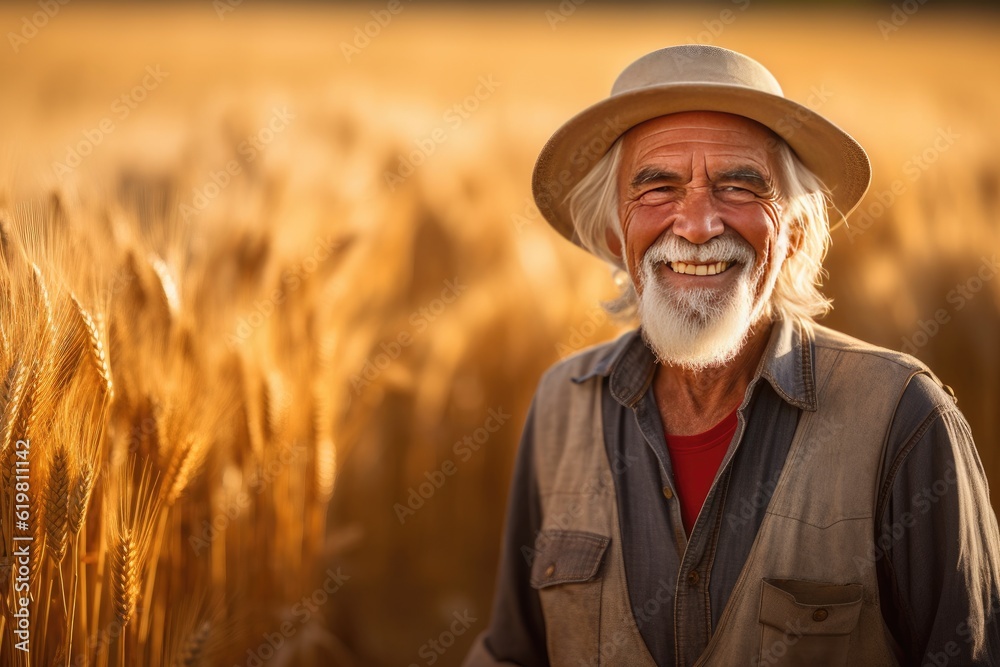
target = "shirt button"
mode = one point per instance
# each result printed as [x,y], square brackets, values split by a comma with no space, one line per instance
[693,577]
[550,570]
[820,615]
[667,493]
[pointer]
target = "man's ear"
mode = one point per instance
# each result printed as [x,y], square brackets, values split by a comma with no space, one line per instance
[796,237]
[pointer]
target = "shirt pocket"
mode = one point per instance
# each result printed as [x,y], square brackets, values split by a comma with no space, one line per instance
[807,623]
[566,573]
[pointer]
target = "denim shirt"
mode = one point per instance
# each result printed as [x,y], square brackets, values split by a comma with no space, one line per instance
[924,599]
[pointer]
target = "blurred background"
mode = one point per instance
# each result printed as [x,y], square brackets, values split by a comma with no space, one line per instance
[340,193]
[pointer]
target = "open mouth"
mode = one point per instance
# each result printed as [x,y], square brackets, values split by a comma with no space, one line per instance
[692,269]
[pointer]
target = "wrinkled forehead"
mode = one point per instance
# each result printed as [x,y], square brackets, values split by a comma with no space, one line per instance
[722,136]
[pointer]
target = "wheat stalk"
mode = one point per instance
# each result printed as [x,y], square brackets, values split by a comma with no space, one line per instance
[274,406]
[48,325]
[4,338]
[79,499]
[79,502]
[98,357]
[26,418]
[15,388]
[70,352]
[166,292]
[324,415]
[17,424]
[57,503]
[6,242]
[125,574]
[78,374]
[135,511]
[188,458]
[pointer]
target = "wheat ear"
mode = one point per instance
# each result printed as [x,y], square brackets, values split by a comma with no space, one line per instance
[125,574]
[97,355]
[167,293]
[57,498]
[185,464]
[45,305]
[80,498]
[131,527]
[15,385]
[275,403]
[79,502]
[25,419]
[71,352]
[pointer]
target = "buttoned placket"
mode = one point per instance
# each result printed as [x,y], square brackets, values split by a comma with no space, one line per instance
[786,364]
[692,602]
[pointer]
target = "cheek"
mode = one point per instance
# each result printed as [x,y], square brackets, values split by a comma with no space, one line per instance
[777,245]
[759,227]
[642,226]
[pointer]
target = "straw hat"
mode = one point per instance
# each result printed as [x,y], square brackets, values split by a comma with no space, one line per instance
[696,78]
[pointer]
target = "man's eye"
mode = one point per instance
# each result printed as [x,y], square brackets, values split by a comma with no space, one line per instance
[659,195]
[734,193]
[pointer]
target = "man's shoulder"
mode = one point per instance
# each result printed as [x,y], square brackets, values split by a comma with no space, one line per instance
[924,391]
[594,361]
[831,339]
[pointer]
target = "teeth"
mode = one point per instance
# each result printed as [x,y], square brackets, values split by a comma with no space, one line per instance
[699,269]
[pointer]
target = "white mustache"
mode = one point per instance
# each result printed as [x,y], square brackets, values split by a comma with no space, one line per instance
[729,247]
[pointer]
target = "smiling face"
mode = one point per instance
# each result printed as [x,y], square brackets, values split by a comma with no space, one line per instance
[700,218]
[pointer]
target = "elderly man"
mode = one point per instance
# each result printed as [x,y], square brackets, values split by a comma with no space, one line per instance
[732,483]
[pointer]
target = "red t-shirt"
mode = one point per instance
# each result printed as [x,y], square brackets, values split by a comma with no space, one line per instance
[695,460]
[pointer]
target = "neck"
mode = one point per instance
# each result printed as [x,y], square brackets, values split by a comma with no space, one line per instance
[692,401]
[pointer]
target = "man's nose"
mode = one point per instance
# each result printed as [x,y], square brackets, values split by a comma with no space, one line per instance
[697,219]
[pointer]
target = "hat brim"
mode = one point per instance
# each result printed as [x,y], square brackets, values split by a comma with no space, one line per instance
[829,152]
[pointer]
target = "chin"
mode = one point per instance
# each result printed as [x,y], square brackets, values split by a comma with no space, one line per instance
[695,355]
[695,328]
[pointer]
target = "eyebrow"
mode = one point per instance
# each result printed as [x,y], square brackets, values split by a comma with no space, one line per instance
[648,175]
[747,175]
[743,174]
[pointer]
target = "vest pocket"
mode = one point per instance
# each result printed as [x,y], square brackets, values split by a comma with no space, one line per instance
[806,622]
[565,572]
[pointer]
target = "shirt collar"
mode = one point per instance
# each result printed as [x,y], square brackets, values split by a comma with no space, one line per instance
[787,364]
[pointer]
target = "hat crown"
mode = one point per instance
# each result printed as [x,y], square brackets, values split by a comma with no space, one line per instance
[693,64]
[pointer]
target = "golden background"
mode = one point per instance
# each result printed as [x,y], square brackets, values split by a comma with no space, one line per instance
[410,306]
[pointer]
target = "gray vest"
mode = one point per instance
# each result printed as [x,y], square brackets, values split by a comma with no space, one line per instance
[807,593]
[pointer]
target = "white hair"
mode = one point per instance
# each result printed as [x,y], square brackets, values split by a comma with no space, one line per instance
[593,206]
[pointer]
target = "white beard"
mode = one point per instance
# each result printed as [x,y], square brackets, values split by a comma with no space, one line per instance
[700,327]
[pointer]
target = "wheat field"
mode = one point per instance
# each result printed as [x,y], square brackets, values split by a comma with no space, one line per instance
[274,297]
